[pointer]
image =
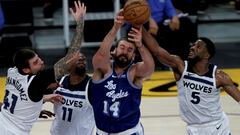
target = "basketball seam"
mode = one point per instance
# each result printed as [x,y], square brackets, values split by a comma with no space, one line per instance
[135,7]
[139,15]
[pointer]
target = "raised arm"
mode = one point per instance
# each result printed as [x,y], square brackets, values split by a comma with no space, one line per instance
[162,55]
[224,81]
[101,60]
[146,67]
[61,67]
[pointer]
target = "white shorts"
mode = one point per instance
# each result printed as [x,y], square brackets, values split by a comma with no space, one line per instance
[220,127]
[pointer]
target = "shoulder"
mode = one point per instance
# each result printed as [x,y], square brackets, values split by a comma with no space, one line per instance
[222,78]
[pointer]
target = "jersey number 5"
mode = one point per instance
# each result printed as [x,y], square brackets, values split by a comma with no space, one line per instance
[196,98]
[8,104]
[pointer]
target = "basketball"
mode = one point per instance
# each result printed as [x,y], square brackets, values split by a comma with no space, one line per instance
[136,12]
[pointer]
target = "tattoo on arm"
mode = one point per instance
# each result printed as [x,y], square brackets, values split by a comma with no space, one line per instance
[61,67]
[77,38]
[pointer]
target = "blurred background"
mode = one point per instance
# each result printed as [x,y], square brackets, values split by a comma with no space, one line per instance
[47,27]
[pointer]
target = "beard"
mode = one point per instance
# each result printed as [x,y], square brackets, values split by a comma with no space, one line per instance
[122,61]
[193,61]
[80,71]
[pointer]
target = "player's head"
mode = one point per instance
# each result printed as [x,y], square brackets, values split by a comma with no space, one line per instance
[124,52]
[203,48]
[80,66]
[28,62]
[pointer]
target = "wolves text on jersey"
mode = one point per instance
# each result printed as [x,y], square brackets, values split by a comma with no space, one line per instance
[74,103]
[197,86]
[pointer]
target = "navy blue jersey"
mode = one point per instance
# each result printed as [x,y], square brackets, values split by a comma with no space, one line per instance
[116,101]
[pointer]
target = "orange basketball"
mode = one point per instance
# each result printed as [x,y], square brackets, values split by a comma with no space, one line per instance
[136,12]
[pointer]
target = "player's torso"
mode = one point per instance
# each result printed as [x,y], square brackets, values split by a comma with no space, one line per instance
[116,102]
[17,108]
[74,115]
[199,98]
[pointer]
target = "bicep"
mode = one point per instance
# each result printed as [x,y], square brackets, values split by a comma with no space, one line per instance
[227,84]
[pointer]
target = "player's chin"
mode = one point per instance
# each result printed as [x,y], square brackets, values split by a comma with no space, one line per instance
[42,67]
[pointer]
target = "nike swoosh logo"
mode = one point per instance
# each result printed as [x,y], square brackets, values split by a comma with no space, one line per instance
[218,127]
[113,76]
[190,74]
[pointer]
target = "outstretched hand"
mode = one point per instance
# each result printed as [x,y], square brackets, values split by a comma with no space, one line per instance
[54,98]
[46,114]
[119,20]
[79,11]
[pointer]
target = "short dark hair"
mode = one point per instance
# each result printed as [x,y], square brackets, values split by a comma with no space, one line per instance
[209,45]
[22,57]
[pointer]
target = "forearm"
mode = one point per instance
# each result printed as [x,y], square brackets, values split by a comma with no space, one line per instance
[148,62]
[61,67]
[104,50]
[77,38]
[154,47]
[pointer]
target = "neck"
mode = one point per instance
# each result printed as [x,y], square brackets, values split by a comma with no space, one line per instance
[76,79]
[119,70]
[201,67]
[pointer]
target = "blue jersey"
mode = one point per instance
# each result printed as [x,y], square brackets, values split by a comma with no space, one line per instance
[116,101]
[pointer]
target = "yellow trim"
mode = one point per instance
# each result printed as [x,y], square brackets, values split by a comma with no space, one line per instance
[157,79]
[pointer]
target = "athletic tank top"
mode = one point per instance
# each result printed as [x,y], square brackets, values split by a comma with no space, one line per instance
[115,100]
[18,111]
[74,116]
[199,99]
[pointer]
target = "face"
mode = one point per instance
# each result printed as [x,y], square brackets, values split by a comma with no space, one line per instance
[124,53]
[35,65]
[80,66]
[198,51]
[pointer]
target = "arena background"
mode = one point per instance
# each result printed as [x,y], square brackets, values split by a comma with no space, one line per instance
[160,114]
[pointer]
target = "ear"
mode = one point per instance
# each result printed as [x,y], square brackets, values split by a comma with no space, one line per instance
[26,70]
[133,57]
[113,52]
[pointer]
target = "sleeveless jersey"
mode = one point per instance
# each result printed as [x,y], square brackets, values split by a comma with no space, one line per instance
[199,99]
[115,100]
[74,116]
[18,112]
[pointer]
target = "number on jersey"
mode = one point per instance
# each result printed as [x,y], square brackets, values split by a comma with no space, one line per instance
[67,113]
[113,109]
[196,98]
[10,102]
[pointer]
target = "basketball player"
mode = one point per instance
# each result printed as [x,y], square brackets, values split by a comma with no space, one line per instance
[116,88]
[198,83]
[74,116]
[27,82]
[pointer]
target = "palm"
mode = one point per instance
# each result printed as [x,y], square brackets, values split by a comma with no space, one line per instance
[80,10]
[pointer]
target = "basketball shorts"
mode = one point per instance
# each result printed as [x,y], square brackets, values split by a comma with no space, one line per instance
[220,127]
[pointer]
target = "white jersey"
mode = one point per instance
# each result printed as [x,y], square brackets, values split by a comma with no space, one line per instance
[18,112]
[199,98]
[74,116]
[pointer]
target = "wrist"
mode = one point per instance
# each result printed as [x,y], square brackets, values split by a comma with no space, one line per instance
[140,46]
